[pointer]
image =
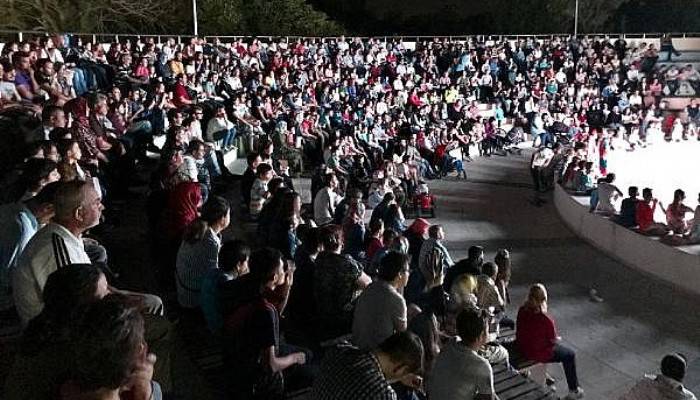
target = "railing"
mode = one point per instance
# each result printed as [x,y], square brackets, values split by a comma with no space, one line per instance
[159,38]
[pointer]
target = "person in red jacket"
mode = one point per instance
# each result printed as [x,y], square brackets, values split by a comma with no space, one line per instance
[537,340]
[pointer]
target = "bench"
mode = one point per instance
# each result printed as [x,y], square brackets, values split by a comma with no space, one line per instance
[510,385]
[537,371]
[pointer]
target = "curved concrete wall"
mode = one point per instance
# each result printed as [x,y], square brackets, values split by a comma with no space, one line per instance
[674,265]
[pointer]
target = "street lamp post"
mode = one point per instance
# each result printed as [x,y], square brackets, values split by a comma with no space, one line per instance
[575,20]
[194,16]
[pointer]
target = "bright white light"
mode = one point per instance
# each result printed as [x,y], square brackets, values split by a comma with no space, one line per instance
[664,167]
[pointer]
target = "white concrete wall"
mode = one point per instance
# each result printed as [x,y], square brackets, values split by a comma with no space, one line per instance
[676,266]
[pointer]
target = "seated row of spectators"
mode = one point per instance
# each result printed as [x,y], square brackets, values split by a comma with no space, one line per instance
[374,119]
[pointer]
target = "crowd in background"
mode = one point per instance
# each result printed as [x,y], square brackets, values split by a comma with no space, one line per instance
[372,122]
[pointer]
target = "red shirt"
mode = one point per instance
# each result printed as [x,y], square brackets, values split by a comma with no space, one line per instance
[535,335]
[179,94]
[645,214]
[374,245]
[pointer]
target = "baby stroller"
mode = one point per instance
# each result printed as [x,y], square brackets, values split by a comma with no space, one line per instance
[560,132]
[508,141]
[424,205]
[421,204]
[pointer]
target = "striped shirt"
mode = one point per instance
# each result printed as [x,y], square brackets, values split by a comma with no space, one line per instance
[350,374]
[193,262]
[51,248]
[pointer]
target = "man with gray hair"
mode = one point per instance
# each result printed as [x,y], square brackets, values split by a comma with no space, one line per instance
[78,207]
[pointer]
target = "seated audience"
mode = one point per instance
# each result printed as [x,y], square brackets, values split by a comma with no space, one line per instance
[374,238]
[416,234]
[302,302]
[537,339]
[459,371]
[110,330]
[348,373]
[199,251]
[233,264]
[259,192]
[248,177]
[380,209]
[20,222]
[471,265]
[487,294]
[77,208]
[338,281]
[503,263]
[646,208]
[381,309]
[668,385]
[436,234]
[326,200]
[608,195]
[628,209]
[676,214]
[41,361]
[258,362]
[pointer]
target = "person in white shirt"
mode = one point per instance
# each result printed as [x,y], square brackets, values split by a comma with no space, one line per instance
[78,207]
[8,90]
[667,386]
[326,200]
[540,161]
[608,196]
[220,128]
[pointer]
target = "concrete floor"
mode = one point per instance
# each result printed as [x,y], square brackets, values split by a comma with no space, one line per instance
[617,341]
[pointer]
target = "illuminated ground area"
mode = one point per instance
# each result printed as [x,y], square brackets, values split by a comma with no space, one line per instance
[641,319]
[663,167]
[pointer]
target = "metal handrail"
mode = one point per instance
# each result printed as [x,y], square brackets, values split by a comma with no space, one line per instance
[179,37]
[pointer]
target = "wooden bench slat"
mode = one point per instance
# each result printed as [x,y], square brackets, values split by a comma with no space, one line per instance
[510,382]
[502,376]
[497,368]
[535,395]
[515,392]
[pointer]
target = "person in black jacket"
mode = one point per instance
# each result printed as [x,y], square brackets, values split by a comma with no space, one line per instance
[249,177]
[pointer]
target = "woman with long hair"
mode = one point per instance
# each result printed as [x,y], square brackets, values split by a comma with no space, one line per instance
[199,251]
[537,339]
[676,213]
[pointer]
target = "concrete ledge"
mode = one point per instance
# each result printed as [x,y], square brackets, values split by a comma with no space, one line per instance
[677,266]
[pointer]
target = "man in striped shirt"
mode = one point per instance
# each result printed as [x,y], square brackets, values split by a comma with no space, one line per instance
[78,207]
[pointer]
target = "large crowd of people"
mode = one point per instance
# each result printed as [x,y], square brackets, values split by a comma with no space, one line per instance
[321,298]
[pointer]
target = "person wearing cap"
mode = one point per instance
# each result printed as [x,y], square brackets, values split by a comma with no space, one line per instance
[667,386]
[416,233]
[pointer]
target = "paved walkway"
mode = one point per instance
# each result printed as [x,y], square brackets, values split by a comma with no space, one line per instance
[617,341]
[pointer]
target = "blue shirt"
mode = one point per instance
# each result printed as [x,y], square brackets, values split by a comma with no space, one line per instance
[17,227]
[209,300]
